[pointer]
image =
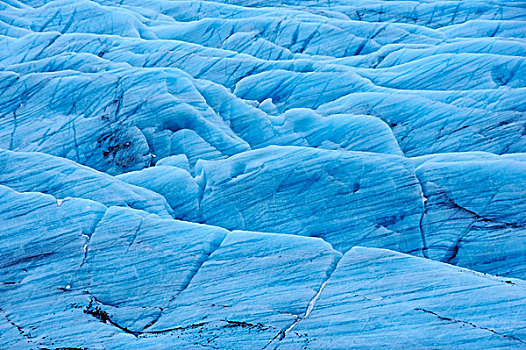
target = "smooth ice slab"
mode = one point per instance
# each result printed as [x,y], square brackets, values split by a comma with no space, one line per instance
[378,298]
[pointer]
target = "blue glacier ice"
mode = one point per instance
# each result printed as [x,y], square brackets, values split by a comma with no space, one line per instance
[262,174]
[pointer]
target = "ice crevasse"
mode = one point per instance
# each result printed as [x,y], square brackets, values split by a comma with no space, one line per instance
[248,174]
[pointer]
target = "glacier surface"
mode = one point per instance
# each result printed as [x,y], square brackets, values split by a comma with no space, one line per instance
[249,174]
